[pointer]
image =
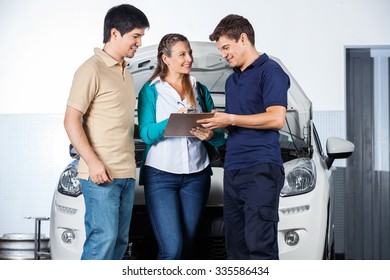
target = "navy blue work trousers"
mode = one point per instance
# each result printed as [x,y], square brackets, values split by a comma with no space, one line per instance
[251,202]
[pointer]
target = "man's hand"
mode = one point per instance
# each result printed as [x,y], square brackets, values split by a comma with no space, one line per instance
[272,118]
[98,173]
[219,120]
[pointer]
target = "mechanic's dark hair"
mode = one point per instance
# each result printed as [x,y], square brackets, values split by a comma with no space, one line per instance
[232,26]
[165,47]
[123,18]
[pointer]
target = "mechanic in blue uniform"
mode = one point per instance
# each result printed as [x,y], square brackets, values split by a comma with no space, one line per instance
[256,102]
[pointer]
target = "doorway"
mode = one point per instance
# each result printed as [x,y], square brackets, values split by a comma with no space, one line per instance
[367,195]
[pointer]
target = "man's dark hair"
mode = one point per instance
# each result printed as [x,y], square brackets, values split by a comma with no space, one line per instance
[123,18]
[232,26]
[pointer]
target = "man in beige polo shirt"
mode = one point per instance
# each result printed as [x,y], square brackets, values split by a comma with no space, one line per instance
[99,121]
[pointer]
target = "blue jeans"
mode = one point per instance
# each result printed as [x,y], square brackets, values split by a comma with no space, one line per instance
[175,205]
[108,210]
[251,203]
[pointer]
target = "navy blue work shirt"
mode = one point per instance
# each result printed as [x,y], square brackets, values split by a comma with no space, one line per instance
[260,85]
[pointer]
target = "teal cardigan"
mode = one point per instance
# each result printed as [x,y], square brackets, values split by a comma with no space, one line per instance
[151,131]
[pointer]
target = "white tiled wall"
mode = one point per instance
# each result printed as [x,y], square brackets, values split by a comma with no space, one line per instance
[33,152]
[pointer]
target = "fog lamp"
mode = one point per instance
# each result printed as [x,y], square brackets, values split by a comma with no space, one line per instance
[68,237]
[291,238]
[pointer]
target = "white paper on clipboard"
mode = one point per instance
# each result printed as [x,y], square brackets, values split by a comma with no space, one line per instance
[180,124]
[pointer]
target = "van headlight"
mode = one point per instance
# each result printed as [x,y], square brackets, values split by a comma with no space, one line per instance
[300,177]
[69,183]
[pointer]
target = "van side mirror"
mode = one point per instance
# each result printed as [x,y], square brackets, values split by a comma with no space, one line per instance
[337,148]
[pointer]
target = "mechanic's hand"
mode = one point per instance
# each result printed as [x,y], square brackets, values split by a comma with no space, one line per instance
[219,120]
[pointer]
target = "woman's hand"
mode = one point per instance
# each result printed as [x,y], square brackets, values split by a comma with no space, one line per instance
[202,133]
[187,110]
[183,110]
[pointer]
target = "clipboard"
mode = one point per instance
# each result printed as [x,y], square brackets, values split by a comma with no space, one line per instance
[180,124]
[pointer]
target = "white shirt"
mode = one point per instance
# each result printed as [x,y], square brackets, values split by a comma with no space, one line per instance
[179,155]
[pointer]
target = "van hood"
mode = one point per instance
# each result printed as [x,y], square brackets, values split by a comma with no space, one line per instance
[210,69]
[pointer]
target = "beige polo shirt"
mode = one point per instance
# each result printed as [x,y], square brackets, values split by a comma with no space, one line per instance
[103,90]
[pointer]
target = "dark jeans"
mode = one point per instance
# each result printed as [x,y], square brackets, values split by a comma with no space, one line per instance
[251,202]
[175,205]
